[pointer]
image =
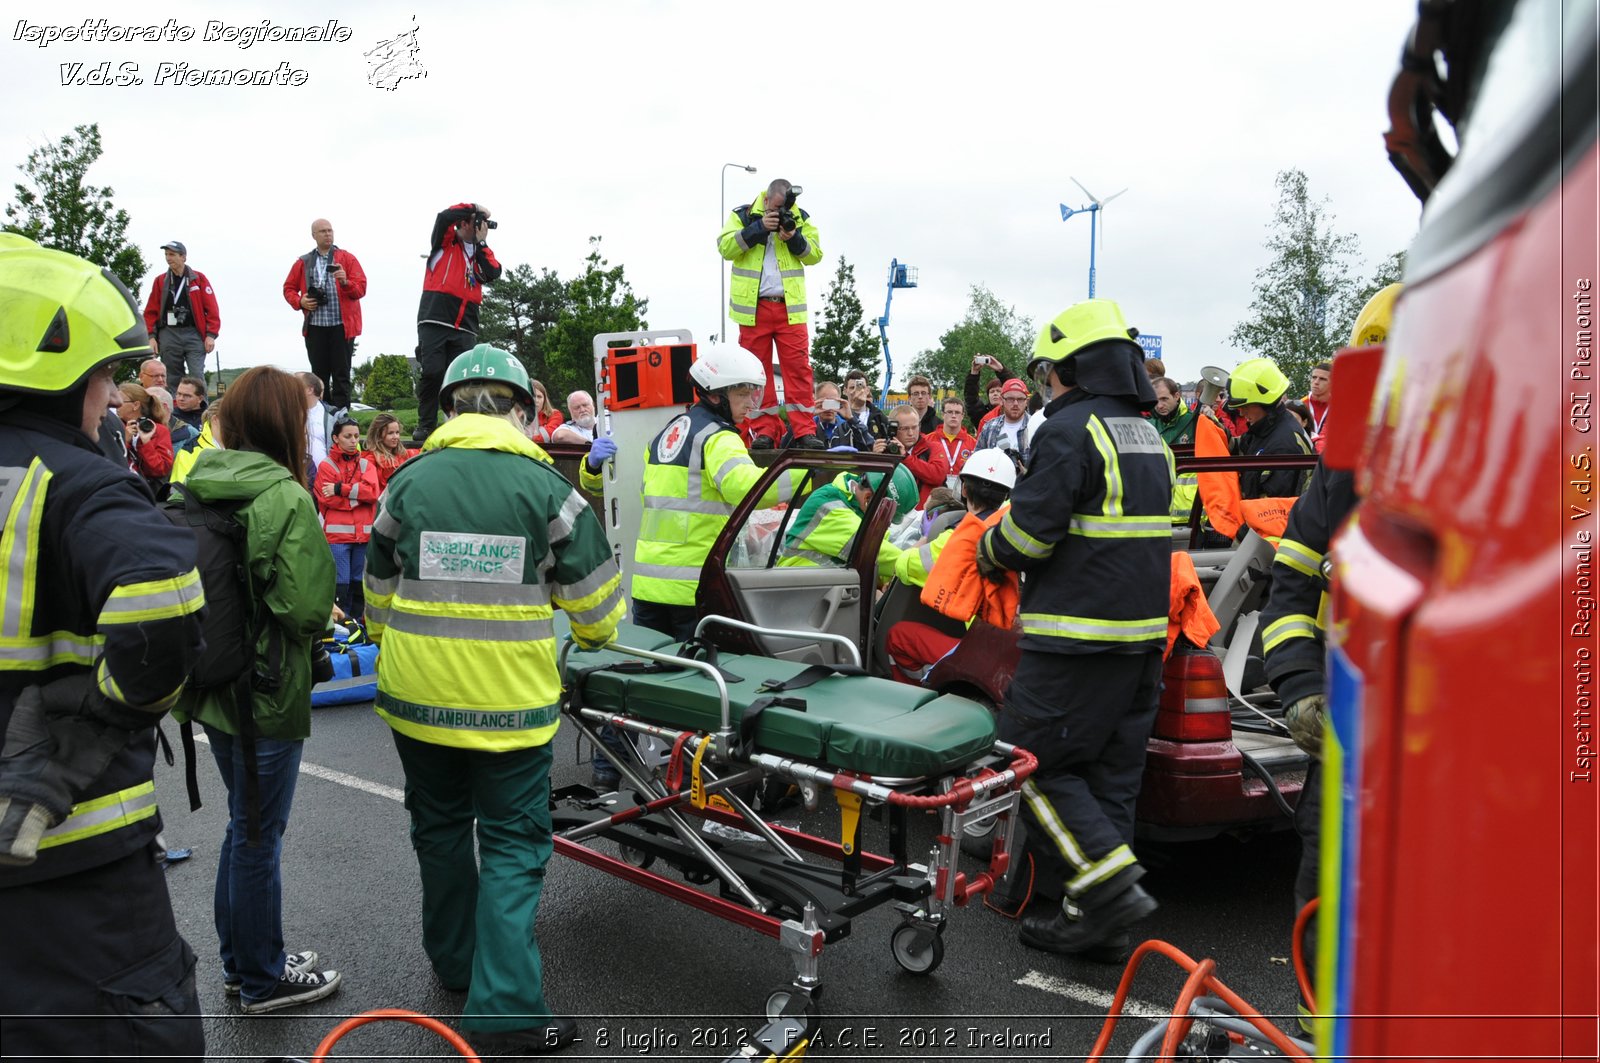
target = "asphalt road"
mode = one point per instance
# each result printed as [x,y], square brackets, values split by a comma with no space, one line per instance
[653,979]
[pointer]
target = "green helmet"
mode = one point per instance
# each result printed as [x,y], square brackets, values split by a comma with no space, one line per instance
[1259,381]
[902,489]
[485,364]
[61,318]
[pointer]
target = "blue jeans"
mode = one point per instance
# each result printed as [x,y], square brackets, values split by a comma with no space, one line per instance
[249,897]
[349,561]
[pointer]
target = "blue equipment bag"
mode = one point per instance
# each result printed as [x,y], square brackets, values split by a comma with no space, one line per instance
[355,671]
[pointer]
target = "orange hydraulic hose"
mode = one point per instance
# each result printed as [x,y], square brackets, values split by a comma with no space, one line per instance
[1178,1028]
[1201,979]
[401,1015]
[1301,921]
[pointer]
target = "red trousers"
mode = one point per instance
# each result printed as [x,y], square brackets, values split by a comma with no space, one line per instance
[914,646]
[794,359]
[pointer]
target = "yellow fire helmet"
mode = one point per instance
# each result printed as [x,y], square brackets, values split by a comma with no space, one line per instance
[61,318]
[1372,324]
[1259,381]
[1078,326]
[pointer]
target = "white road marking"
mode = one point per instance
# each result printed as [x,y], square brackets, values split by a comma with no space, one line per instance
[355,782]
[1098,999]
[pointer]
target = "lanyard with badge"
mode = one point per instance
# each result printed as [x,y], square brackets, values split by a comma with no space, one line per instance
[174,318]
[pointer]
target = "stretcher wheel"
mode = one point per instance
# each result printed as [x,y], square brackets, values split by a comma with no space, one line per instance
[781,1002]
[639,858]
[918,949]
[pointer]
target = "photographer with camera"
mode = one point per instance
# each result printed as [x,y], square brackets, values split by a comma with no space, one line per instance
[767,297]
[982,412]
[459,265]
[181,315]
[326,285]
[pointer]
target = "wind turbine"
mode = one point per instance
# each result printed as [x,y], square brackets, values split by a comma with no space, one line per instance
[1095,207]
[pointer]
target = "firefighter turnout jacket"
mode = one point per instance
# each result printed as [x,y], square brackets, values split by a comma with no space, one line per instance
[96,580]
[696,470]
[1089,524]
[477,540]
[1294,622]
[1279,432]
[744,243]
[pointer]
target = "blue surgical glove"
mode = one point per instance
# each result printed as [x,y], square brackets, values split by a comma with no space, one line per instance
[602,450]
[843,448]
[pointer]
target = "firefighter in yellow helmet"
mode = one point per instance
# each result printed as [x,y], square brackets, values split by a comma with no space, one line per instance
[94,646]
[475,540]
[1256,389]
[1294,624]
[1088,524]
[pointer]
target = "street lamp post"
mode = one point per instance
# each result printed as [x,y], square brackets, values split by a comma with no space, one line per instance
[722,274]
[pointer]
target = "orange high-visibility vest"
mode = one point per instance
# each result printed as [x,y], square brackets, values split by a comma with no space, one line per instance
[1225,506]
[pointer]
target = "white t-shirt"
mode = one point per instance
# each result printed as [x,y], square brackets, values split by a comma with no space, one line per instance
[317,434]
[1009,431]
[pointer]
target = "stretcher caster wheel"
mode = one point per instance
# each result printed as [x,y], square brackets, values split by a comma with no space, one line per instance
[638,858]
[917,948]
[790,1001]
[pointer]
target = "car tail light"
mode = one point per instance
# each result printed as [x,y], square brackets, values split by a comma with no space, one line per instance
[1194,699]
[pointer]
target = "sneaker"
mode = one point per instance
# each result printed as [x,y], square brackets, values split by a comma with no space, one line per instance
[232,983]
[298,985]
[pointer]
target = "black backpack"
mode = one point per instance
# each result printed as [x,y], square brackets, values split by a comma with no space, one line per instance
[228,660]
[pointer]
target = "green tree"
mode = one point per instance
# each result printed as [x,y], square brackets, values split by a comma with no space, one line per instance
[518,309]
[989,327]
[598,300]
[1389,271]
[388,381]
[57,208]
[1306,294]
[842,340]
[360,375]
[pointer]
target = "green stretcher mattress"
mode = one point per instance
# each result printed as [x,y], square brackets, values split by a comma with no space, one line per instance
[850,723]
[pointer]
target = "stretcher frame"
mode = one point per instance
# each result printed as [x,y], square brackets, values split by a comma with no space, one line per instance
[774,889]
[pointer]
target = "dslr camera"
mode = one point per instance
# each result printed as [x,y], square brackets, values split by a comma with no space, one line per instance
[787,220]
[479,219]
[318,292]
[893,447]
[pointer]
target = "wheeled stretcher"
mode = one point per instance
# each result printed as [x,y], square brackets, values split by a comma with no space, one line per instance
[738,724]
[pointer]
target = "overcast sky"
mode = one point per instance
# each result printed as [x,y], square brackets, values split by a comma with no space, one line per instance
[944,135]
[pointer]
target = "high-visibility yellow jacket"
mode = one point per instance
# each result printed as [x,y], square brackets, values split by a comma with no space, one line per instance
[744,243]
[477,539]
[696,470]
[824,531]
[184,460]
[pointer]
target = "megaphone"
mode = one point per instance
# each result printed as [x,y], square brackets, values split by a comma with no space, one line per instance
[1213,382]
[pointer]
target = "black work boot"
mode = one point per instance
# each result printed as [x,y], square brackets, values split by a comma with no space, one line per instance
[1098,926]
[808,442]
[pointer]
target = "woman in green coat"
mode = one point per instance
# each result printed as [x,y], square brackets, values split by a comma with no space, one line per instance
[291,578]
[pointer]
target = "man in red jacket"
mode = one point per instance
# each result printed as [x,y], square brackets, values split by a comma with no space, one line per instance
[181,315]
[326,285]
[459,265]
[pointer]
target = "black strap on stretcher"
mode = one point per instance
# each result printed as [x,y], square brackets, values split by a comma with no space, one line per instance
[814,674]
[745,743]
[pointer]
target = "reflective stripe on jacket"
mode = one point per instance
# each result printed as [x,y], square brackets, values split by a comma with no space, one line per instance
[477,541]
[348,513]
[824,531]
[1089,524]
[93,580]
[743,242]
[1294,621]
[696,470]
